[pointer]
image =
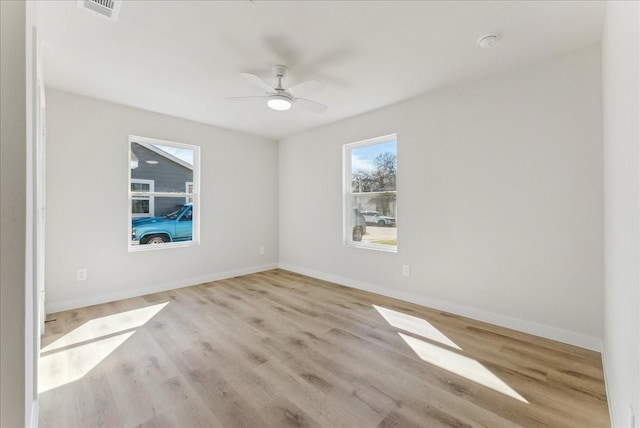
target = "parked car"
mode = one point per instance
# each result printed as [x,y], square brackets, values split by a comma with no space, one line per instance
[359,225]
[176,225]
[374,217]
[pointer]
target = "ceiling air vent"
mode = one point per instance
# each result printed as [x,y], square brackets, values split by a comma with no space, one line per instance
[106,8]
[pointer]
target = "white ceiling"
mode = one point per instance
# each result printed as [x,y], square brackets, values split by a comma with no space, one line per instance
[183,58]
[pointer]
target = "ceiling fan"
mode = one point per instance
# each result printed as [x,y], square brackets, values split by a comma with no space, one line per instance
[279,98]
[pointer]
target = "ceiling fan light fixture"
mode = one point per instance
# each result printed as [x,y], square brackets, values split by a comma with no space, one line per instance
[279,102]
[281,99]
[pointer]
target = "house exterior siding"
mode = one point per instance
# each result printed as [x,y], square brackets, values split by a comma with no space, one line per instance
[167,175]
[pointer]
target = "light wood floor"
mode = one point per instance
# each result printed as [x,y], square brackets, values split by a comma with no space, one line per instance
[277,349]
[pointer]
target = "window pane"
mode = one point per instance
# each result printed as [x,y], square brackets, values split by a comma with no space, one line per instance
[373,167]
[371,195]
[140,206]
[378,211]
[189,189]
[169,167]
[140,187]
[161,169]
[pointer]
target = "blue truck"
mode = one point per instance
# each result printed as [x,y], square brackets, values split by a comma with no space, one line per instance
[175,226]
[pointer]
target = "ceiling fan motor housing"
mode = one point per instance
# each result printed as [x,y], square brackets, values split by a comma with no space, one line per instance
[279,70]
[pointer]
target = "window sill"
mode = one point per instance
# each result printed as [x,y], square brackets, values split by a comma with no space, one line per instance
[134,248]
[375,247]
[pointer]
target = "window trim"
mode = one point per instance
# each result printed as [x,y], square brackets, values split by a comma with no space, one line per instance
[347,228]
[195,239]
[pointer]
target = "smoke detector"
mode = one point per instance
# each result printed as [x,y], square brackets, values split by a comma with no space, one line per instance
[107,8]
[488,40]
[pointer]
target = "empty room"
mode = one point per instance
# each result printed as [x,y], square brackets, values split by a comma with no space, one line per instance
[320,213]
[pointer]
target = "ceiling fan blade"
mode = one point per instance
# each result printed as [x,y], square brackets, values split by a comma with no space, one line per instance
[311,105]
[258,82]
[309,87]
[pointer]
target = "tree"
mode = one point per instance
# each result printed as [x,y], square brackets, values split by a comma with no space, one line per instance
[382,178]
[383,202]
[385,171]
[362,181]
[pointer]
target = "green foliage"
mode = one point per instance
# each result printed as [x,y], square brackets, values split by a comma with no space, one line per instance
[387,242]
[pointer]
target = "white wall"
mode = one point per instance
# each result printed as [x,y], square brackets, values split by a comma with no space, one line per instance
[499,200]
[621,90]
[87,173]
[18,331]
[13,226]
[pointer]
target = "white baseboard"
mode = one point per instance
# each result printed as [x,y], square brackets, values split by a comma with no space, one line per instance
[549,332]
[33,417]
[66,305]
[608,389]
[553,333]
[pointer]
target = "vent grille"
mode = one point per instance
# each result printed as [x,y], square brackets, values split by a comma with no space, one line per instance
[106,8]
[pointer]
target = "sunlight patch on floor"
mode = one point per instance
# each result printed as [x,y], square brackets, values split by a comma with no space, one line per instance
[442,357]
[414,325]
[459,365]
[73,355]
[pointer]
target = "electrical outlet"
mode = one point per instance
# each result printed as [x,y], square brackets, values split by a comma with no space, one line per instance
[81,274]
[261,250]
[405,270]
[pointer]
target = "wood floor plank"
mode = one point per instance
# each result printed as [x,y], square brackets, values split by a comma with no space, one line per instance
[278,349]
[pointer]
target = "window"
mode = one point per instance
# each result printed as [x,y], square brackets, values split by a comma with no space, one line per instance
[189,189]
[370,193]
[142,206]
[163,194]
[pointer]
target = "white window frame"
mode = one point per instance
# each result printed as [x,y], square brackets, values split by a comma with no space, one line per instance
[150,198]
[347,192]
[195,196]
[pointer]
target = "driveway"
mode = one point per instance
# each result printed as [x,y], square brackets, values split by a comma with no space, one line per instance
[376,233]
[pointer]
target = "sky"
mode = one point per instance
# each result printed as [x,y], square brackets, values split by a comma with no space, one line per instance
[184,154]
[362,157]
